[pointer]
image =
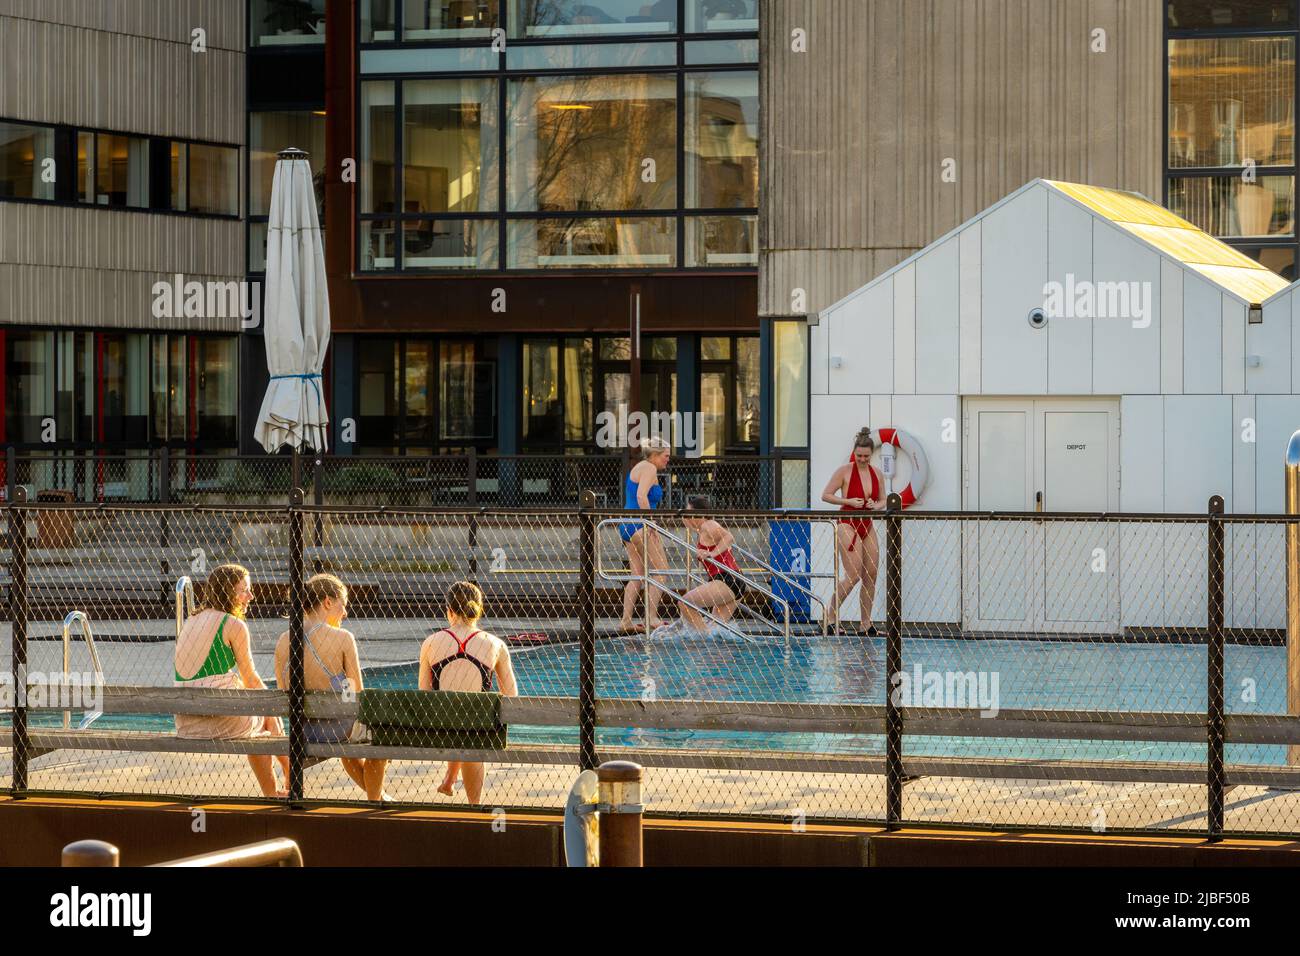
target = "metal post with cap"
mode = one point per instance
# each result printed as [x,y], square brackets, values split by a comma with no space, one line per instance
[1292,484]
[620,813]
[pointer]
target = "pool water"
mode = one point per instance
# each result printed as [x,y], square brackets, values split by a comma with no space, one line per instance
[1028,674]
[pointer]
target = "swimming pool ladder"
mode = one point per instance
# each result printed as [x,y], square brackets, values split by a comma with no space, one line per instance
[648,581]
[80,617]
[184,602]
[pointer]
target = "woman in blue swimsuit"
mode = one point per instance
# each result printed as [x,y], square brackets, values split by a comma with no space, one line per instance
[642,492]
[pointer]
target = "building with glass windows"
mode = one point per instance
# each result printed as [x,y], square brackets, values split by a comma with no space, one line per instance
[510,189]
[108,186]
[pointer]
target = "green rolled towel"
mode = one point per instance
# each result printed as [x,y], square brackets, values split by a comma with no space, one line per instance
[441,719]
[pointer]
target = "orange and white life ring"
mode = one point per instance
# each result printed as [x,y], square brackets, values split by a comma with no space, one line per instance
[920,464]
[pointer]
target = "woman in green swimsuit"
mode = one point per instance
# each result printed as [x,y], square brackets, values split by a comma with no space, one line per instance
[213,650]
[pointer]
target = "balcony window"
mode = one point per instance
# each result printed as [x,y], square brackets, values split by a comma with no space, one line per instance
[449,146]
[606,243]
[570,18]
[448,19]
[1228,207]
[378,147]
[287,23]
[113,169]
[716,16]
[722,140]
[593,142]
[1202,15]
[26,161]
[205,179]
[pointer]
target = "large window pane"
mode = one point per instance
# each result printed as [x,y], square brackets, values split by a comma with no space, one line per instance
[593,142]
[126,372]
[722,242]
[268,134]
[1232,100]
[790,384]
[722,140]
[586,17]
[448,19]
[467,392]
[418,376]
[450,146]
[378,21]
[378,146]
[287,22]
[593,244]
[1281,259]
[214,179]
[377,391]
[29,385]
[216,392]
[1227,206]
[748,379]
[449,244]
[378,245]
[1210,14]
[121,170]
[178,352]
[24,152]
[710,16]
[578,417]
[543,405]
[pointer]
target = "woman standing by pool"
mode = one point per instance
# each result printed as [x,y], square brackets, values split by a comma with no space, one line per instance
[642,492]
[461,657]
[330,664]
[855,538]
[213,650]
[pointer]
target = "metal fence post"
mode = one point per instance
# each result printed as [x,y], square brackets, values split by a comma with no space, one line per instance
[164,497]
[1214,710]
[18,608]
[1292,485]
[893,660]
[471,478]
[318,522]
[297,681]
[11,472]
[587,632]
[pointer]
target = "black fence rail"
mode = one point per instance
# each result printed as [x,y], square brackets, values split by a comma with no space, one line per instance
[1103,672]
[468,480]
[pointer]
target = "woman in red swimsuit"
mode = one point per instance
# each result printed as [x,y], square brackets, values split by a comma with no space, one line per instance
[856,537]
[724,587]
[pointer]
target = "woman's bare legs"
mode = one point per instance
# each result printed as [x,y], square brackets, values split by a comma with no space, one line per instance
[373,773]
[262,769]
[449,778]
[715,597]
[657,561]
[869,548]
[473,774]
[355,769]
[636,568]
[850,565]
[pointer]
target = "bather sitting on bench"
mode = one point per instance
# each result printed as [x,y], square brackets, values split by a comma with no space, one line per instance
[213,650]
[331,664]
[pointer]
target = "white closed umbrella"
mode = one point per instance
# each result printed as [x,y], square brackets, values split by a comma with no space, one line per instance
[297,314]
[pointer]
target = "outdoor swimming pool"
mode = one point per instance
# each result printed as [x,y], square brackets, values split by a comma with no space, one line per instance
[1025,675]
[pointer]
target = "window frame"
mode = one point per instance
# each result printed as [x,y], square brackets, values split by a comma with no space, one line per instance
[503,217]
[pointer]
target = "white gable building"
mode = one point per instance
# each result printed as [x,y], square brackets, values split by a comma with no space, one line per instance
[1071,349]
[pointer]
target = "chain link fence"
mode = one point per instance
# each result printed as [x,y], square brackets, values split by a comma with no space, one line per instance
[463,480]
[1116,672]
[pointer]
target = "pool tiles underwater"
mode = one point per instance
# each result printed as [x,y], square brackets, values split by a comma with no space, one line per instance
[1057,675]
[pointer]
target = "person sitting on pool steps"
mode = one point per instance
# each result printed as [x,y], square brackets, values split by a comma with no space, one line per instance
[721,593]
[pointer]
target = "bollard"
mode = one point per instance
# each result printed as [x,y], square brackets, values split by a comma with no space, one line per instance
[91,853]
[620,813]
[1292,484]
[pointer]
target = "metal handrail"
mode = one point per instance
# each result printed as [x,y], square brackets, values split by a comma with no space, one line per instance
[80,617]
[647,582]
[184,602]
[279,852]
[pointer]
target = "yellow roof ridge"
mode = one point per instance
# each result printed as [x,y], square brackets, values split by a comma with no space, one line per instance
[1178,239]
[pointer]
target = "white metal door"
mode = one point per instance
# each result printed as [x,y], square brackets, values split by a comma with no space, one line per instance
[1041,455]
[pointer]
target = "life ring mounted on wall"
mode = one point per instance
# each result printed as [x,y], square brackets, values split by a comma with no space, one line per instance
[897,438]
